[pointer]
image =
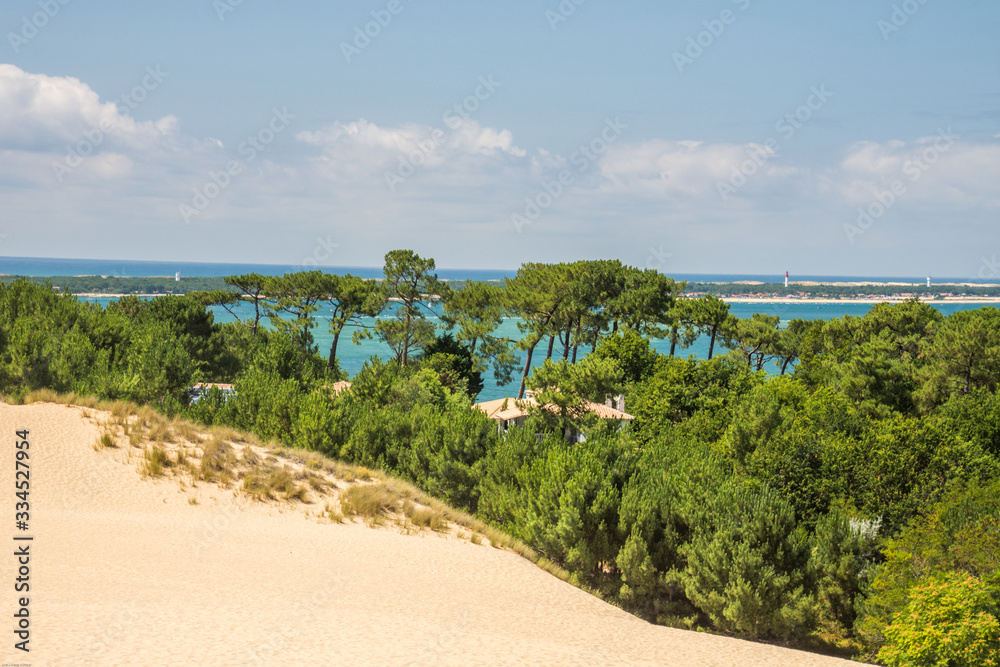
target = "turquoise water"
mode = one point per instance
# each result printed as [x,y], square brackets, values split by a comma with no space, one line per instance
[352,357]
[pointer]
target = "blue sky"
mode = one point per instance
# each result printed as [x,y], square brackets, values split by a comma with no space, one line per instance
[718,137]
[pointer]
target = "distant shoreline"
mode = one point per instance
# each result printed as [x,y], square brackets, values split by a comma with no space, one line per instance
[100,295]
[865,300]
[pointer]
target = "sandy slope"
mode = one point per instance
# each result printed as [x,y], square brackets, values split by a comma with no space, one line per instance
[125,571]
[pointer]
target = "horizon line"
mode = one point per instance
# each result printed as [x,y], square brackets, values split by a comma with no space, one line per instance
[781,274]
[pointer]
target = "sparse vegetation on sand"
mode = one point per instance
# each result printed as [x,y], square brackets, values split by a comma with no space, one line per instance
[269,473]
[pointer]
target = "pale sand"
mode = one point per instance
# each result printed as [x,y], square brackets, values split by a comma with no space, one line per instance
[124,571]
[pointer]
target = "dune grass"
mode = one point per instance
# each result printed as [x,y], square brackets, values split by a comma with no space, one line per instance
[276,483]
[155,461]
[105,441]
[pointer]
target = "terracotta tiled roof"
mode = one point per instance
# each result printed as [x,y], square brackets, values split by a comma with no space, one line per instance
[519,408]
[515,408]
[340,387]
[605,412]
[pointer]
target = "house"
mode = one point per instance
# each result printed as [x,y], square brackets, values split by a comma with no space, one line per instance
[507,412]
[202,388]
[339,388]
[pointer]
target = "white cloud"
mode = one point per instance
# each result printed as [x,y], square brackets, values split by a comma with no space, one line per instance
[466,182]
[935,170]
[680,168]
[42,113]
[359,145]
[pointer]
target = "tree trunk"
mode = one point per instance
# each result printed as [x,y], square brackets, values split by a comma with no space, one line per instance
[256,319]
[527,367]
[406,340]
[552,343]
[575,348]
[711,342]
[333,351]
[673,341]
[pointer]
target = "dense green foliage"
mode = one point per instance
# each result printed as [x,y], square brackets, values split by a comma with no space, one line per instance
[124,285]
[850,501]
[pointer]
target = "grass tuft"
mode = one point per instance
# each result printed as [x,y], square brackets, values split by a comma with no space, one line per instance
[371,502]
[159,431]
[185,430]
[277,482]
[43,396]
[217,458]
[155,460]
[332,514]
[424,517]
[256,487]
[106,441]
[121,411]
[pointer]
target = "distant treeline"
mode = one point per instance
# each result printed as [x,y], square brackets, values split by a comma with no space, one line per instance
[849,504]
[838,291]
[120,285]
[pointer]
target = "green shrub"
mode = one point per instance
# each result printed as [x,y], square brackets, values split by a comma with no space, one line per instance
[747,564]
[950,621]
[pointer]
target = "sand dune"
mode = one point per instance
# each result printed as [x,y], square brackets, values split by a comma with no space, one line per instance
[126,571]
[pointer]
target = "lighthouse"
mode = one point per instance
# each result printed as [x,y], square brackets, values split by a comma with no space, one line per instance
[786,279]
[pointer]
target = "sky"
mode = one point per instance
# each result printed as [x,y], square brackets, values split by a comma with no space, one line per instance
[858,137]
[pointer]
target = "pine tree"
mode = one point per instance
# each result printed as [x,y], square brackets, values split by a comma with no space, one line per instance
[747,564]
